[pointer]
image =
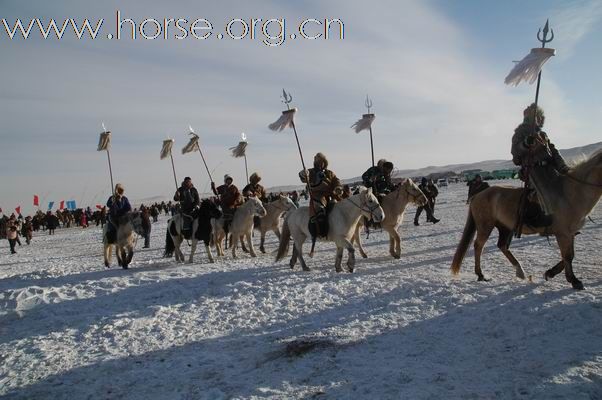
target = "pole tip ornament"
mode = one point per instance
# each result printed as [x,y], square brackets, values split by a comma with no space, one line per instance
[104,143]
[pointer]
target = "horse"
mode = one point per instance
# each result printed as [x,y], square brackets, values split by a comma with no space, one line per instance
[124,239]
[571,197]
[394,205]
[201,230]
[342,222]
[271,221]
[240,227]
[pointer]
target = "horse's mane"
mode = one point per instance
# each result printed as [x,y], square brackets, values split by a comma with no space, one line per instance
[588,163]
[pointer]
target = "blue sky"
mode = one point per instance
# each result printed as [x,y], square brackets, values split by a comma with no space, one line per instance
[434,69]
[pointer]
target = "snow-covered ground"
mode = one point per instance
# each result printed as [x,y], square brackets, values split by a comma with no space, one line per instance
[252,328]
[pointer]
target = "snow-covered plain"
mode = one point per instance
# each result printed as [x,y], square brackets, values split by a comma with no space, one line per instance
[252,328]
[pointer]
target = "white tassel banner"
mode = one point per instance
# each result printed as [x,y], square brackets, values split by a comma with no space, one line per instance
[166,149]
[365,123]
[192,145]
[105,141]
[529,67]
[286,120]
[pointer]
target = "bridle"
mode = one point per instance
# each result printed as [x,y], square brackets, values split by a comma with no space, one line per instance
[368,209]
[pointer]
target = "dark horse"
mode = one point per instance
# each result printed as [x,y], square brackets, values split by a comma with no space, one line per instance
[201,230]
[123,238]
[571,198]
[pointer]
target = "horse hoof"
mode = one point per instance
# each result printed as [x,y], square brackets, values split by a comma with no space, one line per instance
[520,275]
[306,269]
[547,275]
[125,267]
[577,285]
[482,279]
[262,249]
[364,255]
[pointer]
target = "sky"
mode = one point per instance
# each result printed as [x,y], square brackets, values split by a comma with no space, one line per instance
[434,70]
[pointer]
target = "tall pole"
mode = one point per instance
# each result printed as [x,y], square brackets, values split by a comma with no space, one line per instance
[246,169]
[204,162]
[368,106]
[110,171]
[174,170]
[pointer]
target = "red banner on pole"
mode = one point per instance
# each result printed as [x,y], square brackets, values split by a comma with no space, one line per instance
[62,205]
[18,210]
[36,200]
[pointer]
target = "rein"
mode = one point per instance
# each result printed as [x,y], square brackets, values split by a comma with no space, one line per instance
[370,210]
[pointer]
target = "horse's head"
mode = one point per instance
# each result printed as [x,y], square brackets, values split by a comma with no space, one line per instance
[135,218]
[413,191]
[286,203]
[209,209]
[257,207]
[370,206]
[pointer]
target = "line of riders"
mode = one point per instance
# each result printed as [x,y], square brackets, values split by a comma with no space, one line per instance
[325,188]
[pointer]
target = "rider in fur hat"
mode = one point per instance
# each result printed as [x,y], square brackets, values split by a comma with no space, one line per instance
[325,188]
[254,188]
[530,148]
[118,205]
[229,198]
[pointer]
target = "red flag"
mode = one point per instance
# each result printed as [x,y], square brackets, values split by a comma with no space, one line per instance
[99,206]
[62,205]
[36,200]
[18,210]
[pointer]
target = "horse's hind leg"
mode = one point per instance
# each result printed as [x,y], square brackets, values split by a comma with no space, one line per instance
[503,244]
[395,243]
[192,250]
[209,254]
[483,233]
[107,253]
[338,259]
[350,256]
[124,258]
[250,242]
[294,257]
[358,240]
[130,255]
[298,245]
[555,270]
[242,244]
[567,249]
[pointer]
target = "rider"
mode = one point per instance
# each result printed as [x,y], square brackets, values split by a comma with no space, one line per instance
[189,199]
[229,199]
[325,189]
[119,205]
[254,189]
[379,178]
[527,136]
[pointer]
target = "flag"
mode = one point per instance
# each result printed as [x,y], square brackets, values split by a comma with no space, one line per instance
[50,205]
[192,145]
[529,67]
[18,210]
[287,119]
[62,205]
[241,149]
[99,206]
[166,149]
[36,200]
[365,123]
[71,205]
[105,141]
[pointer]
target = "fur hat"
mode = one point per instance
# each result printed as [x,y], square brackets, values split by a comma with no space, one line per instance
[255,178]
[226,177]
[530,111]
[321,157]
[380,162]
[119,189]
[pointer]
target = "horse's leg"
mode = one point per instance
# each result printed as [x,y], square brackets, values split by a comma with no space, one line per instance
[177,251]
[503,244]
[357,239]
[555,270]
[107,254]
[250,242]
[391,244]
[233,244]
[483,233]
[118,255]
[394,242]
[192,250]
[567,249]
[262,241]
[130,249]
[350,255]
[299,247]
[338,259]
[242,243]
[208,250]
[294,257]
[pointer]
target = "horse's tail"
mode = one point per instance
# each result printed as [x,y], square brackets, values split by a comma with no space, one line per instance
[285,240]
[467,236]
[169,244]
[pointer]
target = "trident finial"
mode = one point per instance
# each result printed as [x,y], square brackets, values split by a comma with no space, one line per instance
[104,129]
[543,40]
[287,98]
[368,103]
[243,136]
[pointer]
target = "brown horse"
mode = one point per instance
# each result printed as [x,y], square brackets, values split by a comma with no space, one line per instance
[571,198]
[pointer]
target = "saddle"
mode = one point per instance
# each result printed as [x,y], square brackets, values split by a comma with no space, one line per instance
[318,224]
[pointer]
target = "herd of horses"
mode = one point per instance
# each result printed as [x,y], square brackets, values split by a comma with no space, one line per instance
[573,195]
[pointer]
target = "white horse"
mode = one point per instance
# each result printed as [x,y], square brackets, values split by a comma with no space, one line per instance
[240,227]
[200,230]
[342,221]
[271,222]
[394,205]
[124,239]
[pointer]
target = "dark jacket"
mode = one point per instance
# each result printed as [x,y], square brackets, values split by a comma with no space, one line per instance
[376,179]
[254,189]
[526,137]
[189,198]
[119,206]
[229,196]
